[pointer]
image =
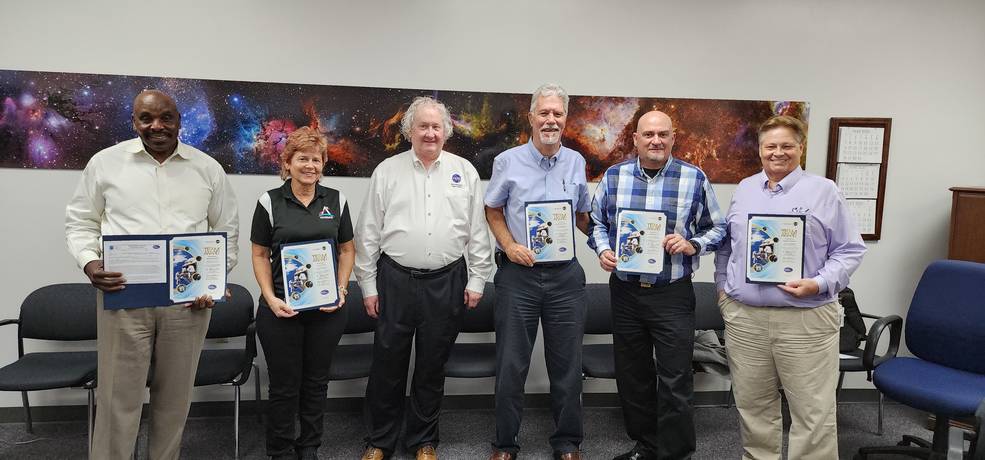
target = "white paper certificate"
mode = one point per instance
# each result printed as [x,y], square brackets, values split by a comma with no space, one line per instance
[198,267]
[140,261]
[640,241]
[775,248]
[309,274]
[550,230]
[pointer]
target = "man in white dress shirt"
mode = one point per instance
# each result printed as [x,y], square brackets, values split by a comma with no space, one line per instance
[423,254]
[150,185]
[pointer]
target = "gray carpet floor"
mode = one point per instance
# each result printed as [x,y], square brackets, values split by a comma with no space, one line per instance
[465,434]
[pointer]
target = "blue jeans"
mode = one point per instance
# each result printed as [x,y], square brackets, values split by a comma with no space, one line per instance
[554,296]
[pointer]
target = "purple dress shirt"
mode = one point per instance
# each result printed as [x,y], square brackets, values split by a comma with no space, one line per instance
[833,247]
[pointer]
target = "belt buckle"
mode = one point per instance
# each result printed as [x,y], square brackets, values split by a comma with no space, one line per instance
[645,285]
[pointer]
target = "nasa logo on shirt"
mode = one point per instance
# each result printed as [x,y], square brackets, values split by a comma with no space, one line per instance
[326,213]
[456,180]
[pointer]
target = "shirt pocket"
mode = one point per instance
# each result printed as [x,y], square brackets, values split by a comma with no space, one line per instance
[458,205]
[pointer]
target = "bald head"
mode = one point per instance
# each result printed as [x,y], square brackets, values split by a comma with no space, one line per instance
[654,139]
[654,116]
[157,121]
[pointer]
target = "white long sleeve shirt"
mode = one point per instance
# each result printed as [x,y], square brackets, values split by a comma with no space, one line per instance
[125,191]
[423,218]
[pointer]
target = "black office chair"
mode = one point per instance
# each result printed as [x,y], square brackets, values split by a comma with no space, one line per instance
[708,317]
[598,360]
[353,361]
[476,360]
[231,366]
[865,359]
[946,375]
[62,312]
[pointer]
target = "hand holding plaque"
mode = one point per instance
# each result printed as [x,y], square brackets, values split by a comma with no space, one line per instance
[775,248]
[550,230]
[639,241]
[309,275]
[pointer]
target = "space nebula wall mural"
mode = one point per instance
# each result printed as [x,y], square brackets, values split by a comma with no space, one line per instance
[54,120]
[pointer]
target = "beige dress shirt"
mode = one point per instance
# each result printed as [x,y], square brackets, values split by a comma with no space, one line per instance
[125,191]
[423,219]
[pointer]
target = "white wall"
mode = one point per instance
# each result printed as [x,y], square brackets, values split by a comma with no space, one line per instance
[920,63]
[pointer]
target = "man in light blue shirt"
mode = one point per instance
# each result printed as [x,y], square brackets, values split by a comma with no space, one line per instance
[526,293]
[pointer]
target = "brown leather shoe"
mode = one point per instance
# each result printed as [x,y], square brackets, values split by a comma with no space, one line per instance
[373,453]
[426,452]
[502,455]
[569,456]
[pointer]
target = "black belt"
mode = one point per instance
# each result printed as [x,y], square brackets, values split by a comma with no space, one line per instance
[421,272]
[646,285]
[503,259]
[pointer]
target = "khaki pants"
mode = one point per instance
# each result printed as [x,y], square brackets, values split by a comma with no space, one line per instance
[126,342]
[796,348]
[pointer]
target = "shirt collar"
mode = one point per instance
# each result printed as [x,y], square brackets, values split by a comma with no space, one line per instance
[661,172]
[786,183]
[538,158]
[137,146]
[289,192]
[417,161]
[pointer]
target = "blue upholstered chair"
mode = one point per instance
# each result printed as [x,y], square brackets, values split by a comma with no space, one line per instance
[945,331]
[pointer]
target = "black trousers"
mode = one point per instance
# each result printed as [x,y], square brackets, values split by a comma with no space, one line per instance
[427,307]
[299,354]
[656,396]
[554,297]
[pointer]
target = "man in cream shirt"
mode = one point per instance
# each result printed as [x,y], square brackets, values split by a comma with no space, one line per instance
[423,254]
[150,185]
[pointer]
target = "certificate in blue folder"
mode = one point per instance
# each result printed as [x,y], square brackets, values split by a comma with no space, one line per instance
[165,269]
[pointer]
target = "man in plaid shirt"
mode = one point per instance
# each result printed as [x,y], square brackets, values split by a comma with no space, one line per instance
[655,312]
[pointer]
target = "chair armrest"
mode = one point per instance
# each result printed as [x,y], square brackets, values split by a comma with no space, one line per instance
[980,431]
[869,358]
[9,321]
[251,354]
[870,316]
[251,340]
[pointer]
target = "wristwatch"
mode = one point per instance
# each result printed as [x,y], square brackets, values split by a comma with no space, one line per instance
[343,289]
[695,245]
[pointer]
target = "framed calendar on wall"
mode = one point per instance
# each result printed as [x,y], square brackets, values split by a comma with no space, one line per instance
[858,157]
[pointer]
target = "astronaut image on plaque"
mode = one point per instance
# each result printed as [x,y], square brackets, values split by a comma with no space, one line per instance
[640,241]
[775,250]
[550,233]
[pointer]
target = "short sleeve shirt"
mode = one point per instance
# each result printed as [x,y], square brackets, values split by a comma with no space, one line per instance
[280,219]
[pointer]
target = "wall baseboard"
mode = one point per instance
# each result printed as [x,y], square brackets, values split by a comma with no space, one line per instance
[451,402]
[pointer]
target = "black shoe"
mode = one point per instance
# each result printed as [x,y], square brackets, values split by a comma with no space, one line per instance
[635,455]
[307,453]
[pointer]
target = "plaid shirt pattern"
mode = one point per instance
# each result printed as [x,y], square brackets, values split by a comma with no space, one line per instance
[680,190]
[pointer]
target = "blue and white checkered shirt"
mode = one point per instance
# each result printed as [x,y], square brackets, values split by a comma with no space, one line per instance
[680,190]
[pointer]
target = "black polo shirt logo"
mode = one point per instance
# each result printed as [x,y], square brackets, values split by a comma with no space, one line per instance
[326,213]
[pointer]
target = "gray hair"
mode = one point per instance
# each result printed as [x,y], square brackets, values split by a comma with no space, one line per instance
[407,122]
[549,89]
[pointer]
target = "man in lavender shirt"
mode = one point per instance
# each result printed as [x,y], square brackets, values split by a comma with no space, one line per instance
[787,335]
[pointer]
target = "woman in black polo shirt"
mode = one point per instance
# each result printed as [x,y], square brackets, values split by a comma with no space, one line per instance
[298,346]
